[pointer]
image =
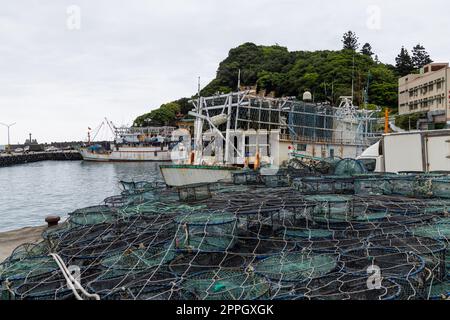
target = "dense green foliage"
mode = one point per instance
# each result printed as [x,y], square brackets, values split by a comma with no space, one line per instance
[327,74]
[406,64]
[407,122]
[166,114]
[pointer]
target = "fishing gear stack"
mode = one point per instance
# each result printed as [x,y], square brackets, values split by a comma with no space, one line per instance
[350,235]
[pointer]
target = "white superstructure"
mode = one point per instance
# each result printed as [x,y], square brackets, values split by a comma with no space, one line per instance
[235,128]
[243,129]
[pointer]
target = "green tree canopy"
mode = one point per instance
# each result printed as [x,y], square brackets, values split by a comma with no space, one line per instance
[420,57]
[350,41]
[327,74]
[163,116]
[367,50]
[403,63]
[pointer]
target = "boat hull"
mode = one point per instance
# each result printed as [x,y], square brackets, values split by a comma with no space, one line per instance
[162,155]
[181,175]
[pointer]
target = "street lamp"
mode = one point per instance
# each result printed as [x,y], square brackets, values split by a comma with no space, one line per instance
[8,126]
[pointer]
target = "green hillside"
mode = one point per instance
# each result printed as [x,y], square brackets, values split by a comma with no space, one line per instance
[327,74]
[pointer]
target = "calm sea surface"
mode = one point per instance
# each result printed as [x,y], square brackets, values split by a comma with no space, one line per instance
[32,191]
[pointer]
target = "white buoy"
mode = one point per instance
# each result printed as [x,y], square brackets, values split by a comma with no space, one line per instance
[219,119]
[307,96]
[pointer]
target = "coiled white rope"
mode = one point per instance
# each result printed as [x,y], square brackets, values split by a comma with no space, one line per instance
[72,283]
[8,288]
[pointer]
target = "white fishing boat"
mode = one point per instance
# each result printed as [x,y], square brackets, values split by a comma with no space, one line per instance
[182,175]
[132,144]
[242,129]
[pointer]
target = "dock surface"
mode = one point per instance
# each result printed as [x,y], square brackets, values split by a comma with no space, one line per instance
[10,240]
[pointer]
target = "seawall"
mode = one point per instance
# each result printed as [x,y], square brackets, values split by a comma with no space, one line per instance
[13,159]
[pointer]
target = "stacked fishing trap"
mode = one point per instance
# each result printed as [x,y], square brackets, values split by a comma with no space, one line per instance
[287,236]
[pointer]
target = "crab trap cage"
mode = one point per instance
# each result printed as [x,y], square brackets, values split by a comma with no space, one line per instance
[281,236]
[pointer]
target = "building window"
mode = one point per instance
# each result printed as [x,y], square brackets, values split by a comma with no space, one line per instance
[301,147]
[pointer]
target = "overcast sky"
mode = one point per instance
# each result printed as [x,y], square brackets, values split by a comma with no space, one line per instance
[125,58]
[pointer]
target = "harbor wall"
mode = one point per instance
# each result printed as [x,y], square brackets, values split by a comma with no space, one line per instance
[10,160]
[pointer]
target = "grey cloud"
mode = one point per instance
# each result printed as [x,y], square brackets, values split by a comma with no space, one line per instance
[130,57]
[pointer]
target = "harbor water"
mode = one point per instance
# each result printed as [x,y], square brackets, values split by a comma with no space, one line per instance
[30,192]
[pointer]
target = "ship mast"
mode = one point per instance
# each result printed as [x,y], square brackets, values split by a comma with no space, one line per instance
[112,127]
[198,128]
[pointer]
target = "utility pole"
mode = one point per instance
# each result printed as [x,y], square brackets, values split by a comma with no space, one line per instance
[239,81]
[332,92]
[353,76]
[8,126]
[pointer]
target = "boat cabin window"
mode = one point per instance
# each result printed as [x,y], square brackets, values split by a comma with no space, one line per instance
[247,147]
[301,147]
[369,164]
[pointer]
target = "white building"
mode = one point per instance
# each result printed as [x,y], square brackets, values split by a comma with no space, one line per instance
[428,91]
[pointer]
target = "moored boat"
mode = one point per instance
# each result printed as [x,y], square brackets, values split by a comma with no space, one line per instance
[241,129]
[133,144]
[181,175]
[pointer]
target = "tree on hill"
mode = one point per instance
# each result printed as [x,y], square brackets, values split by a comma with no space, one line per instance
[165,115]
[420,57]
[367,50]
[403,63]
[350,41]
[327,74]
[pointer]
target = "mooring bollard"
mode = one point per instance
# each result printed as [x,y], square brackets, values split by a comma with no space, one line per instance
[52,220]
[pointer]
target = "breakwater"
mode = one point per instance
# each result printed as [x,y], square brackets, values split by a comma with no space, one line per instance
[13,159]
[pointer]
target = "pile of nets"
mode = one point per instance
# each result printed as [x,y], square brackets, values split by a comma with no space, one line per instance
[362,236]
[302,166]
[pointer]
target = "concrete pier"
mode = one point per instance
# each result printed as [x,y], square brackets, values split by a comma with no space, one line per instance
[20,158]
[12,239]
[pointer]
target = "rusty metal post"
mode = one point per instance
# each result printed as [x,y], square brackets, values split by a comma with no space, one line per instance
[52,220]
